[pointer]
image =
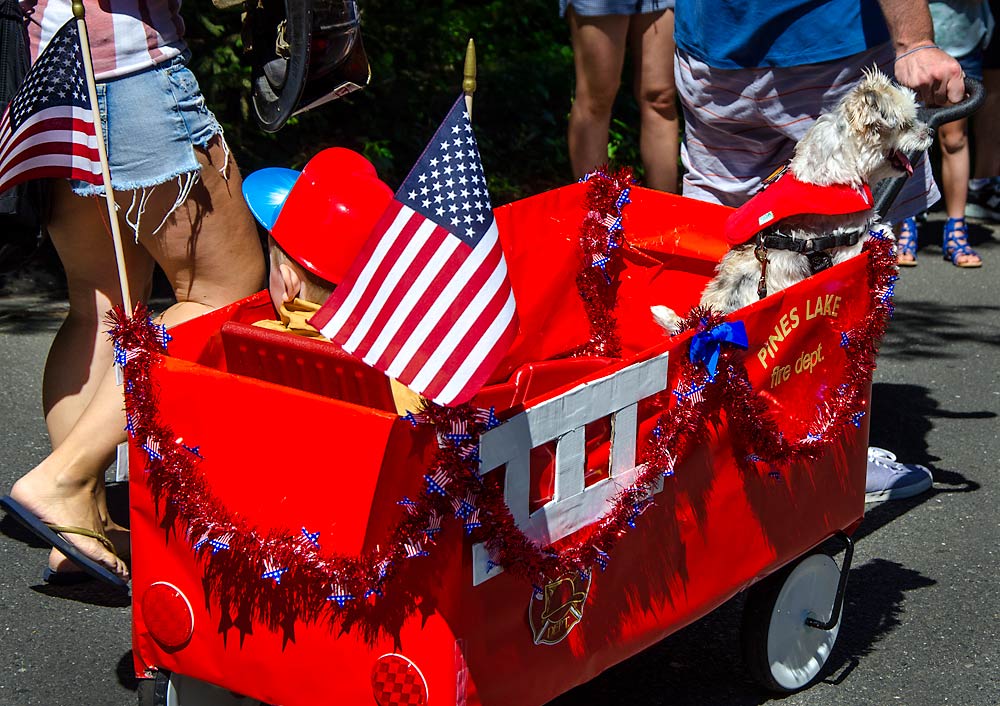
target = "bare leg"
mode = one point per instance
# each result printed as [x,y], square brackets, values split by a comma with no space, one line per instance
[955,173]
[652,44]
[67,487]
[954,166]
[599,54]
[80,354]
[210,252]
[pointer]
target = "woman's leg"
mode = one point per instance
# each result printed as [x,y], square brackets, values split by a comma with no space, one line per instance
[598,54]
[209,249]
[85,423]
[954,166]
[81,353]
[955,185]
[651,37]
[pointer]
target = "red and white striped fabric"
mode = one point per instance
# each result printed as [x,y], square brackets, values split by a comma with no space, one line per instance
[428,300]
[125,35]
[48,128]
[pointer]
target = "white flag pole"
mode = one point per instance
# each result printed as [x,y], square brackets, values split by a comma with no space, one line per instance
[78,13]
[469,75]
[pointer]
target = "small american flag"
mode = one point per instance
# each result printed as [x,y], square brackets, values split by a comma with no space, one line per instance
[428,300]
[47,129]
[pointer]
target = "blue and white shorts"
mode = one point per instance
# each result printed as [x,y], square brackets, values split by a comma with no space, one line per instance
[153,120]
[742,124]
[593,8]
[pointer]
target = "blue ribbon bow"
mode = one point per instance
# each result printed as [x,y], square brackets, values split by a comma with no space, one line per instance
[707,345]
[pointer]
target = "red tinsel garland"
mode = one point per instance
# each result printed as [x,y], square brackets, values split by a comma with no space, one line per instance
[601,241]
[279,575]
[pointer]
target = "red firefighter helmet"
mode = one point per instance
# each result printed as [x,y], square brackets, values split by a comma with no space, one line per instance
[322,216]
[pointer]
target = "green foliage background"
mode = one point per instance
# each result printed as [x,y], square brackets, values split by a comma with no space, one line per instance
[416,50]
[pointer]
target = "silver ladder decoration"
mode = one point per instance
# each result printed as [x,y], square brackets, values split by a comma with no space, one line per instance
[563,419]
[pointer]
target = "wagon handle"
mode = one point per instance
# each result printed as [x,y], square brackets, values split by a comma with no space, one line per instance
[887,191]
[838,600]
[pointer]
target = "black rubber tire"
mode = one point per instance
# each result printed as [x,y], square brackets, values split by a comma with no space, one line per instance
[153,692]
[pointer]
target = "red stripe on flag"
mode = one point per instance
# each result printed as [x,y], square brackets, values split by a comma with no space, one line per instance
[56,148]
[403,286]
[56,172]
[362,308]
[451,315]
[327,311]
[427,298]
[465,348]
[34,126]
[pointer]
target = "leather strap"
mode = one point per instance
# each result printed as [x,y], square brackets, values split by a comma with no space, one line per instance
[103,539]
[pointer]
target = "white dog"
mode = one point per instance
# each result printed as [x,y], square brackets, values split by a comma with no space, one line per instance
[863,140]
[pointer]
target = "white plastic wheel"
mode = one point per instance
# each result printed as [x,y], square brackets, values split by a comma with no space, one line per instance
[781,651]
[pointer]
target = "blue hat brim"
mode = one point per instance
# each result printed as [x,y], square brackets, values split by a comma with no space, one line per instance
[265,191]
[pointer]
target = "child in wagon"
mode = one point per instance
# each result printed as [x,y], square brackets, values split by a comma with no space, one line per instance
[317,221]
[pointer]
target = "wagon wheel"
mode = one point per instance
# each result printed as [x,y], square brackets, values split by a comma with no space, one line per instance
[791,620]
[167,689]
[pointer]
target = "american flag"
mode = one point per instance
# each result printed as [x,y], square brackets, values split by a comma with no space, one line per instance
[428,300]
[47,129]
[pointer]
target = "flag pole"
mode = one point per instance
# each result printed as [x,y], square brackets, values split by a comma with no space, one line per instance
[469,75]
[109,196]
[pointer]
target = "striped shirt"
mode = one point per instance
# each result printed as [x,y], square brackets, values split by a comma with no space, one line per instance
[132,36]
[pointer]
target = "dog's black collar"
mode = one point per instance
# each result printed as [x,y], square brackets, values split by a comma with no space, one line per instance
[815,250]
[776,241]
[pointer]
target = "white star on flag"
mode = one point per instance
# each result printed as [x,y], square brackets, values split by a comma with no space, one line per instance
[47,129]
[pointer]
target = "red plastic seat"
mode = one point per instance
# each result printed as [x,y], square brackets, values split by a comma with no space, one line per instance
[305,364]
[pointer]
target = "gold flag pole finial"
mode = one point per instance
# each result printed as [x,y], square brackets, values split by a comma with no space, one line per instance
[78,11]
[469,75]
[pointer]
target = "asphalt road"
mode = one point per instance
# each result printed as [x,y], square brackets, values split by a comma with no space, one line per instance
[921,615]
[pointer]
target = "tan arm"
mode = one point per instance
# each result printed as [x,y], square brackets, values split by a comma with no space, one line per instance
[936,77]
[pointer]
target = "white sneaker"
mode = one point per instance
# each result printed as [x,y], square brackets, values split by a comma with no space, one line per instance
[887,479]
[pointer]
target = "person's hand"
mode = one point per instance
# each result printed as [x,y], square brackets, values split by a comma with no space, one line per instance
[936,77]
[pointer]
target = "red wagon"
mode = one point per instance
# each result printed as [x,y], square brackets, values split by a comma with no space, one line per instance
[681,488]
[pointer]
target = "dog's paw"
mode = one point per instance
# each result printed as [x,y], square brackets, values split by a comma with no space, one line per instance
[666,319]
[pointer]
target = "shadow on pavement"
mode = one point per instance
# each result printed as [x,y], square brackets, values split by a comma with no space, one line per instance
[696,666]
[873,608]
[702,664]
[95,593]
[9,527]
[901,421]
[926,328]
[31,315]
[125,670]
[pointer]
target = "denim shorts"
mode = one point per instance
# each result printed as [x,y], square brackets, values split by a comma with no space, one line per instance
[593,8]
[152,120]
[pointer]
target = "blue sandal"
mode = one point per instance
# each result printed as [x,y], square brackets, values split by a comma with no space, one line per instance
[956,244]
[906,243]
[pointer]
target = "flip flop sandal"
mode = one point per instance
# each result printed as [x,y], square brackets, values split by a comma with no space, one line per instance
[53,536]
[956,243]
[906,244]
